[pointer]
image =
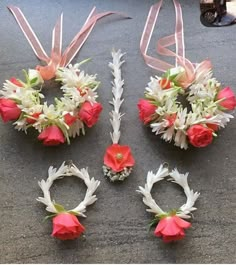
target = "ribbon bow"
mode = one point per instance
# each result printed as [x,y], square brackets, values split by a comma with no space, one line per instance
[57,58]
[191,70]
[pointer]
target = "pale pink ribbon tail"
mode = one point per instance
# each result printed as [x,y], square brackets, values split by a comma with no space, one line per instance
[167,41]
[81,36]
[57,59]
[29,34]
[146,37]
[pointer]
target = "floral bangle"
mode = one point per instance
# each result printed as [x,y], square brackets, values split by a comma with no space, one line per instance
[118,159]
[170,224]
[65,223]
[56,123]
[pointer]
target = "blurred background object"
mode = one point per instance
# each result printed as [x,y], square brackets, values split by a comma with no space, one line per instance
[218,13]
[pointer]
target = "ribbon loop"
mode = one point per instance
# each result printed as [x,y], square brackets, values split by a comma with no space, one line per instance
[57,59]
[162,46]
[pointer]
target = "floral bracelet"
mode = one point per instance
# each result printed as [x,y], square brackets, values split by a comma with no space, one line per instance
[170,224]
[65,223]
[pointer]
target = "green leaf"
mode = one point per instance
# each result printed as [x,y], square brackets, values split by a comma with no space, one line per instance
[74,213]
[65,132]
[49,216]
[84,61]
[166,74]
[34,80]
[59,207]
[26,76]
[172,77]
[152,223]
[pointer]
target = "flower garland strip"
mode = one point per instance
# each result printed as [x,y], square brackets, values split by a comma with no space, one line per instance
[118,160]
[170,224]
[21,102]
[65,223]
[211,105]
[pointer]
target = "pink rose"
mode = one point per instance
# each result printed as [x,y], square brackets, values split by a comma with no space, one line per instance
[199,136]
[146,110]
[118,157]
[9,110]
[89,113]
[52,135]
[66,226]
[171,228]
[229,101]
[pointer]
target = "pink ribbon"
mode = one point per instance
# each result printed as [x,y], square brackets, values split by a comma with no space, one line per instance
[191,70]
[57,59]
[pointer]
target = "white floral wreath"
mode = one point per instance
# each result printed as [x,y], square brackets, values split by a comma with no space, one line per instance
[21,101]
[65,224]
[171,225]
[210,106]
[68,170]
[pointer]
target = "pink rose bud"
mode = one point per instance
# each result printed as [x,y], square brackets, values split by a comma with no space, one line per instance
[212,126]
[16,82]
[66,226]
[33,118]
[229,101]
[89,113]
[9,110]
[146,110]
[199,136]
[47,72]
[171,228]
[69,119]
[52,135]
[165,83]
[171,119]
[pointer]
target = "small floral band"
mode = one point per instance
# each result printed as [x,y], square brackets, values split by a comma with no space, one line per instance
[170,224]
[65,223]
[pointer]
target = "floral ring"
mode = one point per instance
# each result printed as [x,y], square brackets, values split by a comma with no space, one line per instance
[171,225]
[21,102]
[210,108]
[65,223]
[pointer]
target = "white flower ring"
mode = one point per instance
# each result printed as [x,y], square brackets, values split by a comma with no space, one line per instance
[57,122]
[163,111]
[176,177]
[182,212]
[68,170]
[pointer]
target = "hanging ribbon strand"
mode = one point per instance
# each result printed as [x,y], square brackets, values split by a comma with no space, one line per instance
[191,70]
[57,59]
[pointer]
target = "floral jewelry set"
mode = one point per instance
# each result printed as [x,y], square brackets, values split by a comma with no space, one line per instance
[21,102]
